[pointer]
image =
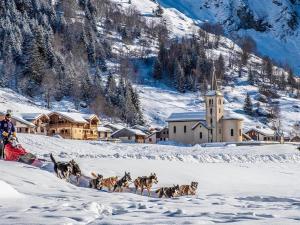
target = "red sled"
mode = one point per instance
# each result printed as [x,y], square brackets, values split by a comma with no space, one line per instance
[19,154]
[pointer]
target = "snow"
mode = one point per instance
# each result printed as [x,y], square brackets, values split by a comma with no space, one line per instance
[8,192]
[264,130]
[103,129]
[74,116]
[232,188]
[284,41]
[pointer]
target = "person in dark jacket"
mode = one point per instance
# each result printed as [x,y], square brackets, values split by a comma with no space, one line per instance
[7,129]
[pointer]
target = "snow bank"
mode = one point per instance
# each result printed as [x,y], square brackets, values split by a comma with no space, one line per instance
[8,192]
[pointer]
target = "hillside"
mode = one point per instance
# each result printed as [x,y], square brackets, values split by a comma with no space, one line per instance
[99,52]
[236,184]
[274,25]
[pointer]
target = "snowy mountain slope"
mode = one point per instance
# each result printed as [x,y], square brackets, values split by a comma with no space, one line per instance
[158,101]
[247,193]
[274,25]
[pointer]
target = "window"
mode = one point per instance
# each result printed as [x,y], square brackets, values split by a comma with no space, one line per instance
[210,111]
[231,132]
[201,135]
[212,101]
[211,121]
[220,131]
[184,129]
[219,110]
[174,129]
[211,131]
[150,139]
[220,102]
[240,131]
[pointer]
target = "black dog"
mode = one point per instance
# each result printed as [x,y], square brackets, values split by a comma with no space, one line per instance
[96,182]
[63,170]
[168,192]
[123,182]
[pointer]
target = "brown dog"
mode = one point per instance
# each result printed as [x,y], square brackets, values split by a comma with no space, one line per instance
[188,189]
[145,182]
[109,183]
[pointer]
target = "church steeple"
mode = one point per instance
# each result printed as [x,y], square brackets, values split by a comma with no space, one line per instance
[214,85]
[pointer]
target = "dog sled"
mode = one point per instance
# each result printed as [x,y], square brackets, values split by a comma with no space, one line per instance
[15,152]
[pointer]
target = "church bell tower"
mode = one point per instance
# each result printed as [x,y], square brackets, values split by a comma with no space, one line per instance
[214,103]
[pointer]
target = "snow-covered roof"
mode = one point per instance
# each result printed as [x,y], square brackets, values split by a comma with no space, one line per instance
[103,129]
[21,120]
[263,130]
[114,126]
[74,116]
[31,116]
[214,93]
[229,115]
[186,116]
[133,131]
[137,132]
[203,122]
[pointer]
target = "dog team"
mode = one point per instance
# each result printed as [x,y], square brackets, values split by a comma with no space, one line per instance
[64,170]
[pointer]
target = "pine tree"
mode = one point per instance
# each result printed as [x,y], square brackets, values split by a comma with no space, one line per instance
[248,106]
[251,77]
[157,70]
[179,79]
[111,90]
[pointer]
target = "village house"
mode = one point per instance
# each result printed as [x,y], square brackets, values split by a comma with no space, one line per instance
[104,133]
[21,125]
[40,121]
[157,136]
[212,125]
[72,125]
[113,126]
[130,135]
[263,134]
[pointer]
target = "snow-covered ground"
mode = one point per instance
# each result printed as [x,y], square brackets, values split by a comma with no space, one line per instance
[232,186]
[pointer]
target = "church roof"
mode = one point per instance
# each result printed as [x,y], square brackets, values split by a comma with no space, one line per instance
[198,123]
[186,116]
[229,115]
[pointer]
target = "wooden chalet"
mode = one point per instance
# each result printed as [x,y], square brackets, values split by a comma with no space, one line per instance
[21,125]
[263,134]
[72,125]
[130,135]
[40,121]
[104,133]
[157,136]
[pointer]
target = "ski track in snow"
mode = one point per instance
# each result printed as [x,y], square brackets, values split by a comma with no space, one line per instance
[234,190]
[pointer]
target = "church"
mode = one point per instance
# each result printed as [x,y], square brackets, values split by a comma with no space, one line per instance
[211,125]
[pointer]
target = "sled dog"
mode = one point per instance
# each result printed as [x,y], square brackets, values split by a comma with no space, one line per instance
[188,189]
[95,182]
[109,183]
[168,192]
[63,170]
[145,182]
[123,182]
